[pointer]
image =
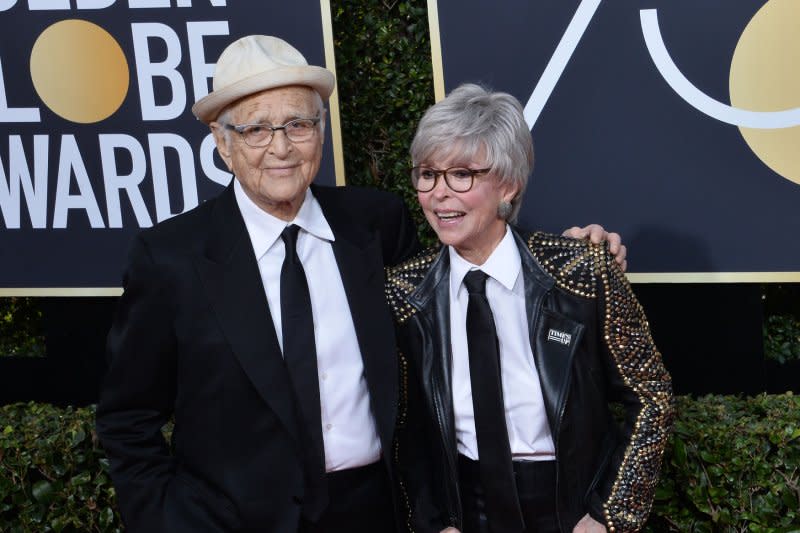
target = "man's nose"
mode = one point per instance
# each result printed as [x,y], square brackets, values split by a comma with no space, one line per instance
[280,145]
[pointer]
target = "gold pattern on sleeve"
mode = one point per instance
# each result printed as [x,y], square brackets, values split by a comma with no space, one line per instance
[569,261]
[585,269]
[627,336]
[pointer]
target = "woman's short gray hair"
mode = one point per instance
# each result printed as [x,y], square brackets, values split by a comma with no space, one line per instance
[470,118]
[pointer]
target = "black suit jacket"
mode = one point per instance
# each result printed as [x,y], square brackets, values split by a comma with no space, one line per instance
[193,339]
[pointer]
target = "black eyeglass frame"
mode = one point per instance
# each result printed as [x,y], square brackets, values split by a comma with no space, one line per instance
[240,129]
[473,172]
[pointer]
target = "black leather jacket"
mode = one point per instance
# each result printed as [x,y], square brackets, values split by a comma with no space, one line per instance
[591,345]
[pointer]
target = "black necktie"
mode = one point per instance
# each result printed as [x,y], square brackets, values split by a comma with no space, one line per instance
[494,451]
[300,355]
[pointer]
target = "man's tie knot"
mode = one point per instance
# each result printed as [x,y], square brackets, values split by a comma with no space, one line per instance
[475,282]
[289,236]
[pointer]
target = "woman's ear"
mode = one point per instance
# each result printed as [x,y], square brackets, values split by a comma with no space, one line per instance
[510,193]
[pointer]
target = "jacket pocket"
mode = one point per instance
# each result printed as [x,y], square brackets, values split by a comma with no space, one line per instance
[192,501]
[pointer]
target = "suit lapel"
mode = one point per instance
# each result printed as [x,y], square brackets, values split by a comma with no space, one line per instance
[358,255]
[232,282]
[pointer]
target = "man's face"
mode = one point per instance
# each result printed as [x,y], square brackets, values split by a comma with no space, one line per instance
[275,176]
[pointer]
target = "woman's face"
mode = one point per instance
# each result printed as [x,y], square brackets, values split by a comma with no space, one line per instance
[467,221]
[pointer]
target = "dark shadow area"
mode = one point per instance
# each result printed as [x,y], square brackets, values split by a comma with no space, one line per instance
[75,331]
[710,335]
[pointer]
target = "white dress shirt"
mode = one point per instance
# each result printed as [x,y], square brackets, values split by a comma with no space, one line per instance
[349,432]
[526,420]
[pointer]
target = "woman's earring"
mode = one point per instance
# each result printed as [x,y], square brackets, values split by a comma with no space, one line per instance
[504,210]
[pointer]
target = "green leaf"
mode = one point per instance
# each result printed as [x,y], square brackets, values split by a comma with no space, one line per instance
[59,523]
[106,517]
[708,456]
[78,437]
[679,451]
[42,491]
[790,500]
[81,479]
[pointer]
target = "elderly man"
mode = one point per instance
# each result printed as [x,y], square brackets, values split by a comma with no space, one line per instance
[258,322]
[265,401]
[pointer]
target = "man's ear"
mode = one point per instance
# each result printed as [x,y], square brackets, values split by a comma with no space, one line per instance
[221,140]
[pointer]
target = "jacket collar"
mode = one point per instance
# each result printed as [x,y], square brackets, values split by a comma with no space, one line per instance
[536,279]
[532,270]
[437,275]
[265,229]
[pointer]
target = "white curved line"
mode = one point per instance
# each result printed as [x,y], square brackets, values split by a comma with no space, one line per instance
[698,99]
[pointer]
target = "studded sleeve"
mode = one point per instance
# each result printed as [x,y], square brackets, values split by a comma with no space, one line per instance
[636,377]
[646,391]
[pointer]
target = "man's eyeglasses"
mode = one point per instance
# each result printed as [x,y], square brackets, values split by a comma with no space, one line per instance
[459,179]
[260,135]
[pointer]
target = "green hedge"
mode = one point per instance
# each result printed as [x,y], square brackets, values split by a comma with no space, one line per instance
[53,472]
[732,464]
[385,84]
[782,338]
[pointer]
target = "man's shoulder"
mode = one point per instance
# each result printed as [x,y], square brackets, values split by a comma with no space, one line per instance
[183,229]
[358,197]
[576,265]
[364,207]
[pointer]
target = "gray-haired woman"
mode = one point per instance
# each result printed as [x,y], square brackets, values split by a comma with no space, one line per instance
[513,345]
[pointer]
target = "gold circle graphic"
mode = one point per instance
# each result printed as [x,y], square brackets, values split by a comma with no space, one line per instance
[765,76]
[79,71]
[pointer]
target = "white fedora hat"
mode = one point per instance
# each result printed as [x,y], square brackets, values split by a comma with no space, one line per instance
[255,63]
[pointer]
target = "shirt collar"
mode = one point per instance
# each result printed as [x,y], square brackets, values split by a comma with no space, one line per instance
[504,264]
[264,229]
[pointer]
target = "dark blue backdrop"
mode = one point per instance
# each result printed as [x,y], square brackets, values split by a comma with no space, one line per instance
[615,144]
[80,256]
